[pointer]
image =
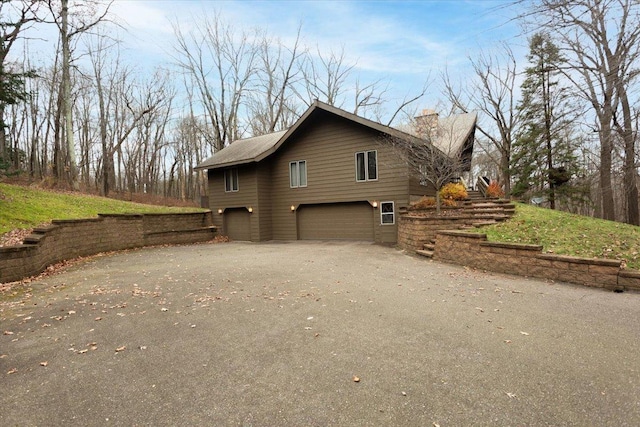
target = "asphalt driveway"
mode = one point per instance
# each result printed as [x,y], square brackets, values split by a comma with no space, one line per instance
[313,334]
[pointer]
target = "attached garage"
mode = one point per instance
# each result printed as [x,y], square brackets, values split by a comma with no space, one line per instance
[336,221]
[237,224]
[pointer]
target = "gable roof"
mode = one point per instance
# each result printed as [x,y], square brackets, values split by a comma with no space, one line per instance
[449,134]
[453,132]
[242,151]
[255,149]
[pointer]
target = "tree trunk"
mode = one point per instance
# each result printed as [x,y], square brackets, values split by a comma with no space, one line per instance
[66,95]
[630,169]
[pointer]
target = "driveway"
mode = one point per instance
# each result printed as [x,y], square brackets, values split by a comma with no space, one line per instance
[313,334]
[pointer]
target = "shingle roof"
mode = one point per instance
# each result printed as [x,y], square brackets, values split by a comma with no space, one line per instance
[257,148]
[449,135]
[453,131]
[242,151]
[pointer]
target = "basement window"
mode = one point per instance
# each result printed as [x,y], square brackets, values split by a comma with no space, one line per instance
[231,180]
[387,213]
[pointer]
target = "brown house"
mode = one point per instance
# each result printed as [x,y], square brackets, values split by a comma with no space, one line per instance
[329,176]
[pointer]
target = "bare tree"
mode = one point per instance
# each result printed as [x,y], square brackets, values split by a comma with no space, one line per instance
[272,103]
[82,21]
[601,39]
[493,94]
[221,64]
[16,17]
[432,165]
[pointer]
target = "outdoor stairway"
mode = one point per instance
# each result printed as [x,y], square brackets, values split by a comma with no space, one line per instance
[427,249]
[485,211]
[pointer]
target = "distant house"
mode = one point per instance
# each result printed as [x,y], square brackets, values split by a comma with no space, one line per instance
[329,176]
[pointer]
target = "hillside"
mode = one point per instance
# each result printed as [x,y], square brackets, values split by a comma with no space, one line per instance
[27,207]
[568,234]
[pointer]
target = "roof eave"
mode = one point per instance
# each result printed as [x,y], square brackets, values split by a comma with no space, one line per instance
[225,165]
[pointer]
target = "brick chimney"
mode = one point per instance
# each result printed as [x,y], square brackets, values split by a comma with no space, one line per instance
[427,123]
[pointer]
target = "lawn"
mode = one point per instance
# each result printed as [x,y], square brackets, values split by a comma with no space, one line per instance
[568,234]
[27,207]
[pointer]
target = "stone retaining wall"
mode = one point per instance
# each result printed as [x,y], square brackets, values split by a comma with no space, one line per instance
[67,239]
[414,230]
[473,250]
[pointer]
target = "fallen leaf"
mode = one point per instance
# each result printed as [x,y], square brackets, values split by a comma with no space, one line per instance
[511,395]
[524,333]
[45,363]
[97,318]
[119,349]
[12,371]
[507,341]
[356,379]
[83,351]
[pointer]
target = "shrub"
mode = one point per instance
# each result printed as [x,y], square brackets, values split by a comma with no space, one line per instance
[424,202]
[495,190]
[453,191]
[429,202]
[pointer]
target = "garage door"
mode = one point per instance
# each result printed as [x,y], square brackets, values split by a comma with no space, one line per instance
[237,224]
[344,221]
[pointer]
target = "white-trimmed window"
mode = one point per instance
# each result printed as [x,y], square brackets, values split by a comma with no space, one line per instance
[298,174]
[231,180]
[367,166]
[387,213]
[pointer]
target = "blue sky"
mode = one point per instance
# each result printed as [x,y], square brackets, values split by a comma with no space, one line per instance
[402,42]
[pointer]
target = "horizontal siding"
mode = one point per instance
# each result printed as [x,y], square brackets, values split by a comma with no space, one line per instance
[245,197]
[415,189]
[329,149]
[263,180]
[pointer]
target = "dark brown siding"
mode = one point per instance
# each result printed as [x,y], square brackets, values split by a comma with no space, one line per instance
[415,189]
[245,197]
[263,177]
[329,149]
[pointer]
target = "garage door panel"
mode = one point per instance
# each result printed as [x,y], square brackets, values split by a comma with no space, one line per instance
[340,221]
[237,223]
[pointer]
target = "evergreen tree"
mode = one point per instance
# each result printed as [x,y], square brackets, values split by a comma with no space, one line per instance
[543,154]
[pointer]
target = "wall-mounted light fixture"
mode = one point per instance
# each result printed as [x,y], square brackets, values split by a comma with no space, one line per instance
[220,211]
[250,209]
[293,208]
[374,204]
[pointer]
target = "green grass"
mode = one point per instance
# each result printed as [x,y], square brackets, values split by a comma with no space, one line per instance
[26,207]
[568,234]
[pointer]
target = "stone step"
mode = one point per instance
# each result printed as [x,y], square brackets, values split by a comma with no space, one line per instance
[33,239]
[425,253]
[481,224]
[429,246]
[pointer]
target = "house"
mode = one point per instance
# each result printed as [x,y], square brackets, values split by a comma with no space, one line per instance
[329,176]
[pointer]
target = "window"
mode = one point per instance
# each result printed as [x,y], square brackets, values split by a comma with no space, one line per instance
[367,166]
[298,174]
[387,215]
[231,180]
